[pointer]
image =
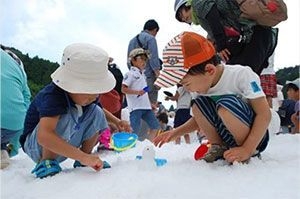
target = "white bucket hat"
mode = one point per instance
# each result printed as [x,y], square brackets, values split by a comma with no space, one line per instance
[84,69]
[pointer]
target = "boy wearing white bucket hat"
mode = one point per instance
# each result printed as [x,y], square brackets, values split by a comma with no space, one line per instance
[231,107]
[63,119]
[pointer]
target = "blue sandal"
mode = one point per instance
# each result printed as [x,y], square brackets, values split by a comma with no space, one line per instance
[46,168]
[78,164]
[106,165]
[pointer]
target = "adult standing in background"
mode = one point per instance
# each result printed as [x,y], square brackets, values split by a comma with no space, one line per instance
[15,99]
[237,40]
[146,40]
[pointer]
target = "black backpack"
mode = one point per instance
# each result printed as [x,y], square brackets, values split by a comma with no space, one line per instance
[118,76]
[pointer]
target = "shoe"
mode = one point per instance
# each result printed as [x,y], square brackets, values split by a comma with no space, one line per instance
[46,168]
[4,159]
[76,164]
[12,150]
[214,153]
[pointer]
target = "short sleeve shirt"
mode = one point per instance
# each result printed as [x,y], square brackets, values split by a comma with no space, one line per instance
[239,81]
[50,101]
[135,79]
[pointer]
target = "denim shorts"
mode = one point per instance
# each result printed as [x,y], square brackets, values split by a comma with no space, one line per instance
[147,115]
[237,107]
[75,133]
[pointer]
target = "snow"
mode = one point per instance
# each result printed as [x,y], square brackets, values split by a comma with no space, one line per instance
[276,175]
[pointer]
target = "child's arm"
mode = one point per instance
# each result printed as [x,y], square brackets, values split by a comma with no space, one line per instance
[170,135]
[257,131]
[121,124]
[127,90]
[173,98]
[52,143]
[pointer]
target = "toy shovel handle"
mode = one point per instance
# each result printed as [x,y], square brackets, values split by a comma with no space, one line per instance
[201,151]
[146,89]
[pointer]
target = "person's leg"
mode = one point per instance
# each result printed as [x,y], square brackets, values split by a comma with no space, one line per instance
[178,140]
[176,124]
[182,115]
[238,117]
[88,145]
[67,130]
[153,92]
[14,144]
[149,117]
[208,128]
[135,123]
[6,136]
[206,117]
[187,138]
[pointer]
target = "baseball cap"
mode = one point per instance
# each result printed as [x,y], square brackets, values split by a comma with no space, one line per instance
[84,69]
[138,51]
[184,51]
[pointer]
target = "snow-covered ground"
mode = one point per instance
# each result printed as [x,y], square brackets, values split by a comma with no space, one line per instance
[277,175]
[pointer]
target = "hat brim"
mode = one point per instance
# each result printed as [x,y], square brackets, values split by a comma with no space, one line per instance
[295,82]
[169,78]
[79,83]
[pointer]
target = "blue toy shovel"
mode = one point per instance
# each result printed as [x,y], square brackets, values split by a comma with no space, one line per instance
[146,89]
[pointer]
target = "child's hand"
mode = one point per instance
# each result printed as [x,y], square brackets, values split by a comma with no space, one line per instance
[141,92]
[124,125]
[238,154]
[92,161]
[164,138]
[224,55]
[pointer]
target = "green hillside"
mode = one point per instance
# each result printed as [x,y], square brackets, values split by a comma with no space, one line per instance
[39,70]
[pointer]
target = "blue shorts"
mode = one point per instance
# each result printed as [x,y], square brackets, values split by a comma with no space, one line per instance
[147,115]
[237,107]
[93,121]
[181,116]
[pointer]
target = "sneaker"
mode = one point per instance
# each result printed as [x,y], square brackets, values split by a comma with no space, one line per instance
[4,159]
[215,152]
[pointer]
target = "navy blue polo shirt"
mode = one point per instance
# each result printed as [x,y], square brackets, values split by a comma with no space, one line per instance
[49,102]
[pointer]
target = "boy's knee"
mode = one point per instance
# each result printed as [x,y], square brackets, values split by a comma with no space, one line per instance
[222,111]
